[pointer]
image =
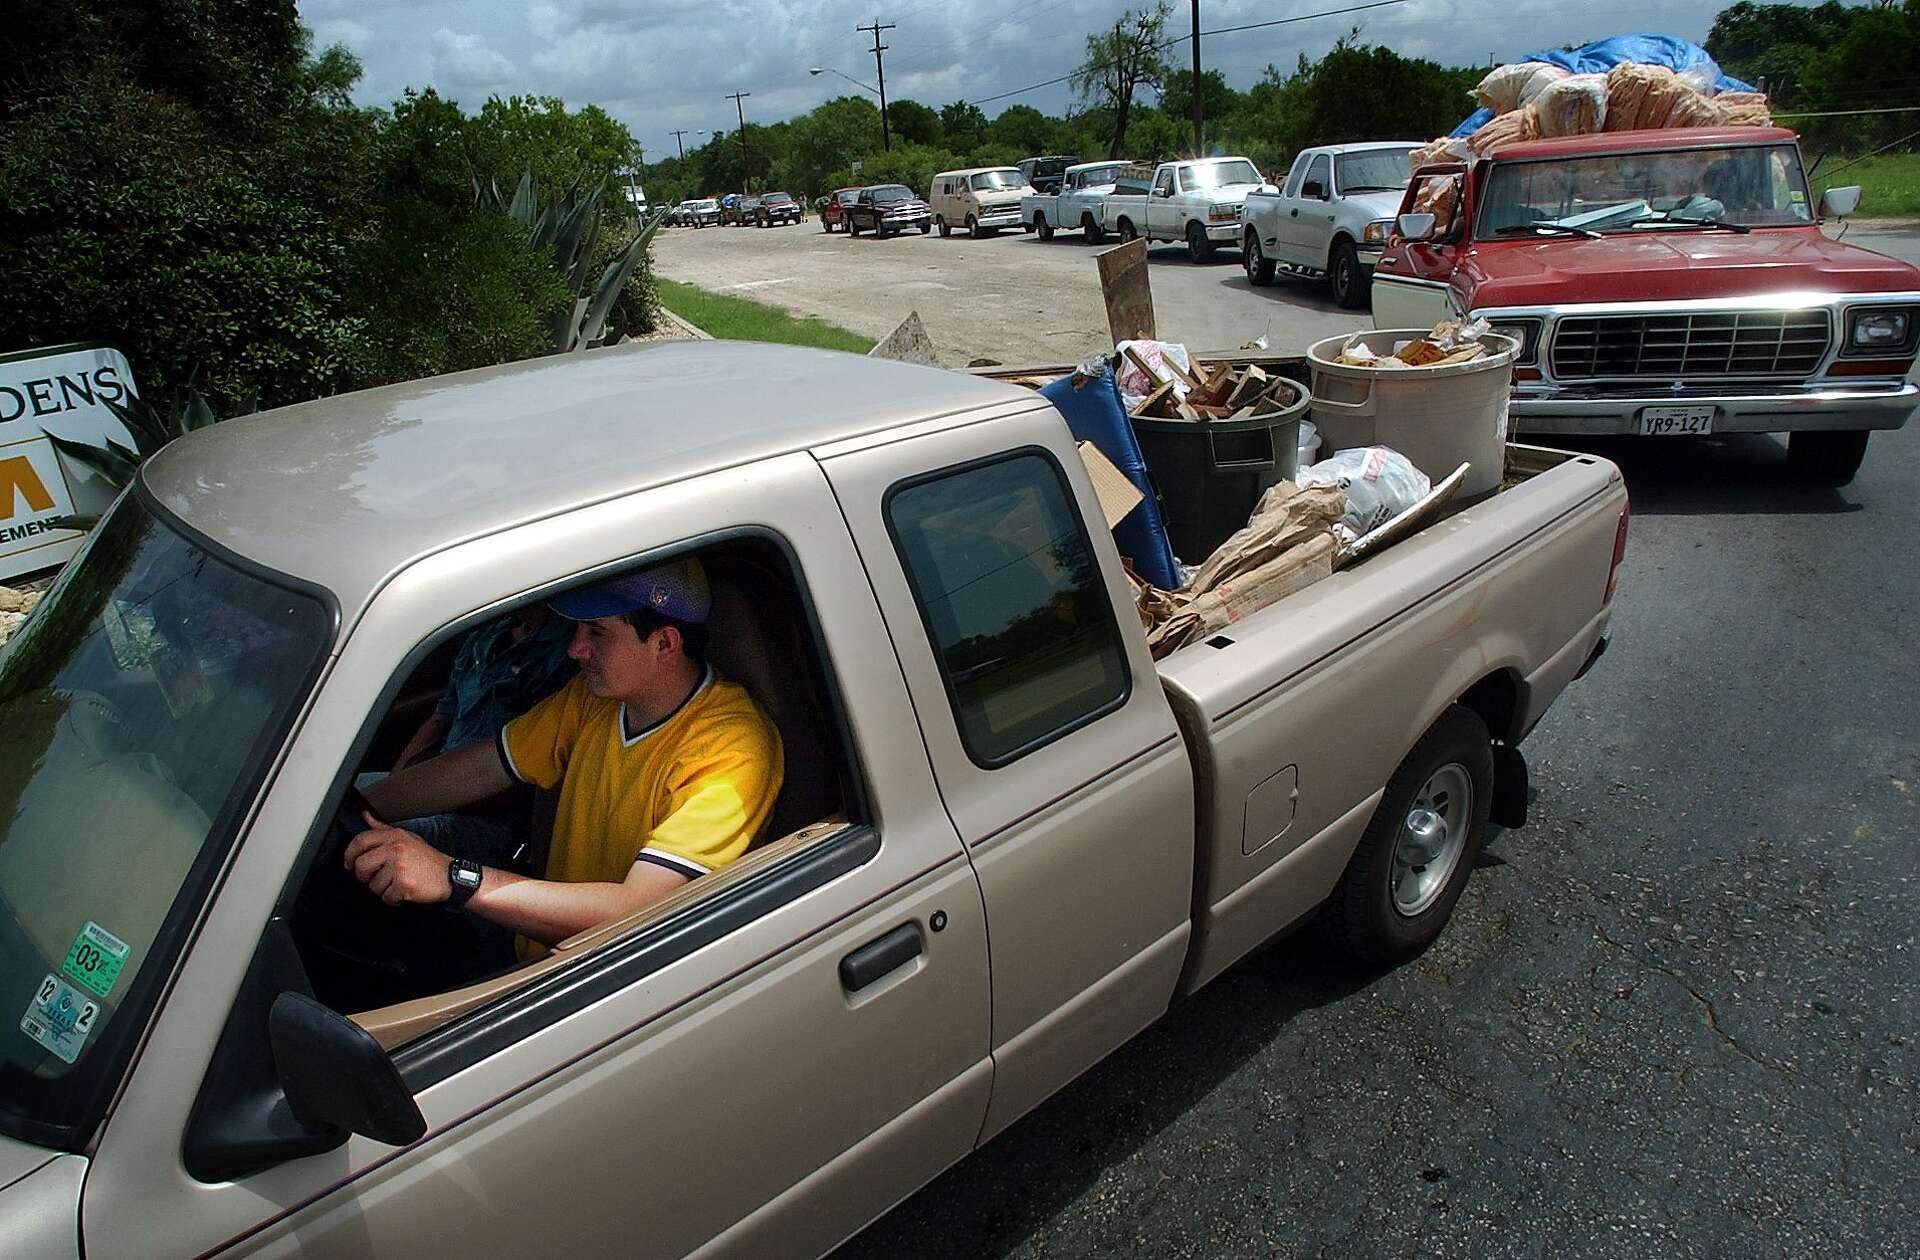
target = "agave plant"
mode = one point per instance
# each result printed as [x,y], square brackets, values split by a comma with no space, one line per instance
[150,428]
[567,230]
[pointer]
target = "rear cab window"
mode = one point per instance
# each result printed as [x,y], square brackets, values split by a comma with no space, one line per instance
[1012,600]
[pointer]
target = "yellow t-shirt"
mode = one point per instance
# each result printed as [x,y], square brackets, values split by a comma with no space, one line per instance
[690,792]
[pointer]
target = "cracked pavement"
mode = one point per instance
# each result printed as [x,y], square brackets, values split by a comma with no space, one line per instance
[1674,1016]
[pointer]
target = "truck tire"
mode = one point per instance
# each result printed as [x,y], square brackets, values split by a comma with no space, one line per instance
[941,223]
[1259,266]
[1418,851]
[1127,231]
[974,229]
[1090,226]
[853,229]
[1199,244]
[925,228]
[1827,457]
[826,227]
[1041,226]
[1343,273]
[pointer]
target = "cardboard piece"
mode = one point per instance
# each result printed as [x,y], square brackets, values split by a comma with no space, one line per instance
[1117,495]
[1128,293]
[908,343]
[1287,545]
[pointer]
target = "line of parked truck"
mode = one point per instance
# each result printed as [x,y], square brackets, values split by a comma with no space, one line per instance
[1669,282]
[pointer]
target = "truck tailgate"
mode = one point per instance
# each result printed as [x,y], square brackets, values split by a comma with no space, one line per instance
[1297,715]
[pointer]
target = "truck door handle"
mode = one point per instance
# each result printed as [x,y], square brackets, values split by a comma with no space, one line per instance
[877,958]
[1294,213]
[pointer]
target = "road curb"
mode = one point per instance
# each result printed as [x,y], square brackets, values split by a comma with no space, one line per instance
[692,330]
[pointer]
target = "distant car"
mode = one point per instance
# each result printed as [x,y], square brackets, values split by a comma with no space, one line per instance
[888,208]
[1043,173]
[833,208]
[730,207]
[704,212]
[746,210]
[778,207]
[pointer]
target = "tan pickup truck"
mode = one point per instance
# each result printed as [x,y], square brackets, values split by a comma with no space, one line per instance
[203,1054]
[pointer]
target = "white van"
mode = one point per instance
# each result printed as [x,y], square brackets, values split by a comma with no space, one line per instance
[982,199]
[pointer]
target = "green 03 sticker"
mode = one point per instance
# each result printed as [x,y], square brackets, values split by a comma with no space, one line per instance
[95,959]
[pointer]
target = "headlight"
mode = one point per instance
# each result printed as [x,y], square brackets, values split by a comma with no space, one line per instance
[1377,230]
[1223,213]
[1881,330]
[1524,331]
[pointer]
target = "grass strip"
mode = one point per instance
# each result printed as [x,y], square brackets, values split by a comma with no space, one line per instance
[743,319]
[1889,184]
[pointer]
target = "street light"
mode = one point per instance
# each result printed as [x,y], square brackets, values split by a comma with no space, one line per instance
[817,70]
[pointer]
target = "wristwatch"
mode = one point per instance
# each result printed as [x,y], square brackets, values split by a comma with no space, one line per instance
[464,875]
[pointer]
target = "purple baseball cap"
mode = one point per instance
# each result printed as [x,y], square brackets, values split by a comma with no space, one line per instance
[676,589]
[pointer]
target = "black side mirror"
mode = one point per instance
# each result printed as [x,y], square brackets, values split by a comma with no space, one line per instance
[1314,189]
[337,1076]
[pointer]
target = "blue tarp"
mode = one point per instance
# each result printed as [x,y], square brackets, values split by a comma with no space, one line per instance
[1603,55]
[1095,415]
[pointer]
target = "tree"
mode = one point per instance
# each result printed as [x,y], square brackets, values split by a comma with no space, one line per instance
[962,126]
[831,138]
[1217,100]
[1022,127]
[913,122]
[1119,62]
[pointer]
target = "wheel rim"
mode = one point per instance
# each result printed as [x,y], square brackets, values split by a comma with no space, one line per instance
[1343,275]
[1253,257]
[1432,837]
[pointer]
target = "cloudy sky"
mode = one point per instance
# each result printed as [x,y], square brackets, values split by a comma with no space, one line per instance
[662,64]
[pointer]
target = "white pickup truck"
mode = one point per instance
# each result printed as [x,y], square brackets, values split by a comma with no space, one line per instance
[1076,202]
[220,1043]
[1331,217]
[1194,201]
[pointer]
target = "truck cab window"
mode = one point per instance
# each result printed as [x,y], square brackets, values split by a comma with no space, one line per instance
[1012,601]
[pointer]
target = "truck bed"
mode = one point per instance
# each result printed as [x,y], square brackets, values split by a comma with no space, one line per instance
[1502,601]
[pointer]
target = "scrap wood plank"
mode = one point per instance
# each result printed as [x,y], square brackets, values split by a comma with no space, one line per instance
[1128,294]
[1155,399]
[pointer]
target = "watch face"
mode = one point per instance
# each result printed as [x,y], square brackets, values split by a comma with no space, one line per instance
[466,876]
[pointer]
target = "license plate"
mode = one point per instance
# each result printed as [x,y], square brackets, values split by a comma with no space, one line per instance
[1673,421]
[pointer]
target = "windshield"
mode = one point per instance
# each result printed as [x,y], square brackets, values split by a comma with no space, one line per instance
[1101,175]
[990,181]
[1376,170]
[890,192]
[1692,189]
[139,708]
[777,198]
[1218,174]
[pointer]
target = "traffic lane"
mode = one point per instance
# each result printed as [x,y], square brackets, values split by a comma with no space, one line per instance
[1012,298]
[1673,1016]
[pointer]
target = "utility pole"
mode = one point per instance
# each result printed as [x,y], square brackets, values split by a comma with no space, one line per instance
[740,111]
[1198,150]
[880,68]
[681,143]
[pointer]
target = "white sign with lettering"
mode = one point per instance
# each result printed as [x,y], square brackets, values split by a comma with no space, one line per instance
[62,390]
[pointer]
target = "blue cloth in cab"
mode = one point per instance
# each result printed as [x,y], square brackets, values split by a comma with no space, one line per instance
[1094,414]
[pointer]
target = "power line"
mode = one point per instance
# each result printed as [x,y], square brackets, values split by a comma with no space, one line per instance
[1178,39]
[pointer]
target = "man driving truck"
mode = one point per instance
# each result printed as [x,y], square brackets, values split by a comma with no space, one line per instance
[665,772]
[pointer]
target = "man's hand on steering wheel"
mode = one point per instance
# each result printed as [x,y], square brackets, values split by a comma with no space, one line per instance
[397,865]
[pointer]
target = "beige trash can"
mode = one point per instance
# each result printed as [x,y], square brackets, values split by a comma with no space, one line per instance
[1438,417]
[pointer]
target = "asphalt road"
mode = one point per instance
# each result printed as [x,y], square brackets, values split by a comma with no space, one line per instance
[1678,1015]
[1010,298]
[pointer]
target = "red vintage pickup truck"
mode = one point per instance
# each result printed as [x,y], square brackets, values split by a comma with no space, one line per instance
[1665,283]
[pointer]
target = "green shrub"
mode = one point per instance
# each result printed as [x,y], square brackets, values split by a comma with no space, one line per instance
[445,290]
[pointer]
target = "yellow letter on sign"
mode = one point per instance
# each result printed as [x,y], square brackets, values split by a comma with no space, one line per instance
[17,480]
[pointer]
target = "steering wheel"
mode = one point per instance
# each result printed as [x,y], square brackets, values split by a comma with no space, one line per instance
[97,723]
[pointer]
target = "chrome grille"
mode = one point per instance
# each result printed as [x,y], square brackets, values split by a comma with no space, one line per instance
[1679,346]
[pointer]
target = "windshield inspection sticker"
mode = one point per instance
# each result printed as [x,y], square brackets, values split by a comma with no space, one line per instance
[95,959]
[59,1018]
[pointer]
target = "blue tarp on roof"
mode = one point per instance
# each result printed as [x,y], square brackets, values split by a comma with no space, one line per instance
[1602,55]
